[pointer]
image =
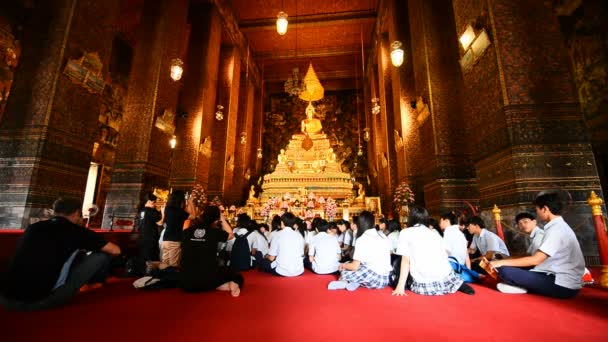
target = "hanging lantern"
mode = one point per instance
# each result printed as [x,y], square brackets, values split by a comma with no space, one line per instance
[282,23]
[173,142]
[375,106]
[260,155]
[243,138]
[360,152]
[397,53]
[177,69]
[366,134]
[219,114]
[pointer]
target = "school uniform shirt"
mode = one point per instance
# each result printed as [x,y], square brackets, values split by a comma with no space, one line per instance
[565,258]
[488,241]
[426,250]
[373,249]
[236,231]
[326,250]
[455,243]
[44,248]
[288,248]
[308,235]
[273,235]
[536,238]
[258,241]
[346,238]
[393,237]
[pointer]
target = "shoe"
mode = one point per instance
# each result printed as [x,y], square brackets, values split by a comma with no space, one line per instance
[506,288]
[145,281]
[337,285]
[465,288]
[352,286]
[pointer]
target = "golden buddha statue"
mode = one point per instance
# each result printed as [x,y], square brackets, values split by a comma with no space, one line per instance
[311,125]
[252,193]
[331,156]
[282,157]
[361,194]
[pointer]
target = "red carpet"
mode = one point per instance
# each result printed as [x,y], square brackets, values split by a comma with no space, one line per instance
[301,309]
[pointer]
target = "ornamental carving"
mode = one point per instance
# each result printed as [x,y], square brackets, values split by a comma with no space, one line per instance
[87,72]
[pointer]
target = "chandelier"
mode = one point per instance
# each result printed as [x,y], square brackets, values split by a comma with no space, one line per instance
[294,86]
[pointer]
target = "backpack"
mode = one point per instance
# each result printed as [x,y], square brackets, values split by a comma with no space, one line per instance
[240,257]
[469,276]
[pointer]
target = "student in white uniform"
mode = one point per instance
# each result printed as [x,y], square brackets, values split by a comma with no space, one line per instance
[258,244]
[275,228]
[456,246]
[324,251]
[286,254]
[242,222]
[371,263]
[558,263]
[526,222]
[423,255]
[345,237]
[489,244]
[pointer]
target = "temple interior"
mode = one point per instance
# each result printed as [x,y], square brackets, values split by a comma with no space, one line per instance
[322,108]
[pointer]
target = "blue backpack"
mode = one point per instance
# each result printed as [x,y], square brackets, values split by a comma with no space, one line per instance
[240,257]
[469,276]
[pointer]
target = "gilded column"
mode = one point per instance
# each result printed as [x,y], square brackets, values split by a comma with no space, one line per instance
[198,99]
[602,235]
[143,153]
[49,127]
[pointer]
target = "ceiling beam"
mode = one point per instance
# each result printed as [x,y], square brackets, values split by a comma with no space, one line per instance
[317,20]
[309,53]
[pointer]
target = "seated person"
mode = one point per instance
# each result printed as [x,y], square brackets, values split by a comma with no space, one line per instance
[258,243]
[286,254]
[456,246]
[526,222]
[199,263]
[345,238]
[423,256]
[371,263]
[489,244]
[324,251]
[48,268]
[558,263]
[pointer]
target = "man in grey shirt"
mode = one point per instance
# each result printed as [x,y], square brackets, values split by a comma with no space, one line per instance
[558,263]
[526,222]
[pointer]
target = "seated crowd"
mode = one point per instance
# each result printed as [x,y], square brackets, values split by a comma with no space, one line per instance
[59,257]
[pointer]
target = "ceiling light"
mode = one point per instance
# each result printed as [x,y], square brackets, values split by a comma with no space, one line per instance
[397,53]
[282,23]
[177,69]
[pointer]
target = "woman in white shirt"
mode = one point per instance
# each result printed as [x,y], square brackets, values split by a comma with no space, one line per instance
[371,263]
[423,255]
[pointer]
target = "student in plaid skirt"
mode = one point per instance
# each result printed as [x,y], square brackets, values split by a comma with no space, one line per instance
[423,256]
[371,263]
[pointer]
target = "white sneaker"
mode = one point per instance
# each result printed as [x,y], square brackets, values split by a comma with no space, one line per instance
[506,288]
[337,285]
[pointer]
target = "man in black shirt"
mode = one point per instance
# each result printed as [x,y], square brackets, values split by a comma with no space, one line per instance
[199,264]
[148,231]
[44,272]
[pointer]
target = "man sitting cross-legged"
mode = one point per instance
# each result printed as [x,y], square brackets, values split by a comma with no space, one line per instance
[558,263]
[286,254]
[49,268]
[324,252]
[526,222]
[489,244]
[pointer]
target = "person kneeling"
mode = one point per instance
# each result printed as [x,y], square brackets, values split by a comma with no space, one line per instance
[558,263]
[371,263]
[424,256]
[49,266]
[199,265]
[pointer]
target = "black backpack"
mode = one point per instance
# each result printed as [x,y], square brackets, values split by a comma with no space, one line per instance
[240,257]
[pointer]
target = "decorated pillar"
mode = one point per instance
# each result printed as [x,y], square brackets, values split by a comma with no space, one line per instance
[143,155]
[198,99]
[225,134]
[602,235]
[498,223]
[246,145]
[447,172]
[527,132]
[50,120]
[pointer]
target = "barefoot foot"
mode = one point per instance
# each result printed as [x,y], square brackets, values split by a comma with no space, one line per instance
[235,290]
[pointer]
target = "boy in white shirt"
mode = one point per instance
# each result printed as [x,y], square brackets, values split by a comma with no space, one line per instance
[324,251]
[371,263]
[286,254]
[423,255]
[456,246]
[489,244]
[526,222]
[558,263]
